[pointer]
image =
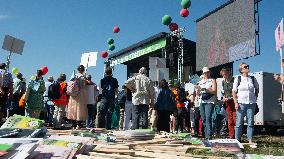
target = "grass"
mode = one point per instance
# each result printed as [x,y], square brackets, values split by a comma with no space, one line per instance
[267,145]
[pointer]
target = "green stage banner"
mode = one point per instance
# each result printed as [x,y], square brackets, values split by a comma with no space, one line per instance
[140,52]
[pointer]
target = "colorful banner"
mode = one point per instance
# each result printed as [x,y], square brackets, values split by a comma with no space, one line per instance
[140,52]
[279,35]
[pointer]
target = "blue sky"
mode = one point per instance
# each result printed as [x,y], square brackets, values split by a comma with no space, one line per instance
[57,32]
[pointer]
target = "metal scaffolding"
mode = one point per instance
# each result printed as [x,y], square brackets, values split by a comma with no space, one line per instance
[179,34]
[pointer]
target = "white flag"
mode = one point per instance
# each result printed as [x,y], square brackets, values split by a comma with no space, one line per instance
[89,59]
[279,35]
[85,59]
[92,59]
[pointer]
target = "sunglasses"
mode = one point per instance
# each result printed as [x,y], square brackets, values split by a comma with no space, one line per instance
[246,67]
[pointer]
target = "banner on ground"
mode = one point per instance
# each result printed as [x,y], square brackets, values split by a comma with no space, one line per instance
[279,35]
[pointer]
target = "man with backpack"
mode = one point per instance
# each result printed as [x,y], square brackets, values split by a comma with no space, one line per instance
[58,93]
[143,95]
[108,89]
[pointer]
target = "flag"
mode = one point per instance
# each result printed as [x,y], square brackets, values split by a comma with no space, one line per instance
[92,59]
[84,59]
[89,59]
[279,35]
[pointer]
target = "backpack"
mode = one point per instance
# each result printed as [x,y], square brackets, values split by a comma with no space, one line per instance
[73,87]
[108,89]
[253,82]
[54,91]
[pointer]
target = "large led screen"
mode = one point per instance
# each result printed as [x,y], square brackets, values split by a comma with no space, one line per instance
[225,35]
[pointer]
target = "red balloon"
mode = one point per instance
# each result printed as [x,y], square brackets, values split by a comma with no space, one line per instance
[44,70]
[116,29]
[184,13]
[173,26]
[104,54]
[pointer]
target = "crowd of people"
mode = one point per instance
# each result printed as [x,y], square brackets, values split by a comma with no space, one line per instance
[168,106]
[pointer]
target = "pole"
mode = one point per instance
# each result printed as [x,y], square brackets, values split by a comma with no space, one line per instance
[281,56]
[282,95]
[88,62]
[9,57]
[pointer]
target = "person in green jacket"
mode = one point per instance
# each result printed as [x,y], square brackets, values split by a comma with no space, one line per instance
[34,96]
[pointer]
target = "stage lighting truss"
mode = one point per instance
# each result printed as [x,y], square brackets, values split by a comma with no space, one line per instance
[179,35]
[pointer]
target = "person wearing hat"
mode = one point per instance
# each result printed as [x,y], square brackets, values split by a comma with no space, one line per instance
[207,91]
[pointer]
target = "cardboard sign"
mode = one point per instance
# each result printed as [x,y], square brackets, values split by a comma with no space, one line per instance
[13,45]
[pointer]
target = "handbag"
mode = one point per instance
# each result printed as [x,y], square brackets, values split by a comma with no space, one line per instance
[206,96]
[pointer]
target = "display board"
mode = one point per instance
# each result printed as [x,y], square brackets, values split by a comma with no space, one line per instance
[226,34]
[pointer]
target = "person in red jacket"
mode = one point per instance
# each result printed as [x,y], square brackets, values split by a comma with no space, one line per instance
[61,103]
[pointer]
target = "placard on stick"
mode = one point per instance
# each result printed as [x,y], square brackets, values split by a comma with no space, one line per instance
[13,45]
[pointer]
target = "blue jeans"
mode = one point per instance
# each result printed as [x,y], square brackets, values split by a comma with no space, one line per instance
[128,114]
[48,111]
[140,112]
[90,119]
[248,111]
[206,111]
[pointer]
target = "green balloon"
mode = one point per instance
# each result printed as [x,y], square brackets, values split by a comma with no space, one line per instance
[110,41]
[111,47]
[185,4]
[33,78]
[166,20]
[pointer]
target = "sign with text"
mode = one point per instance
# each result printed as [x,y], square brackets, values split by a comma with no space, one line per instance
[140,52]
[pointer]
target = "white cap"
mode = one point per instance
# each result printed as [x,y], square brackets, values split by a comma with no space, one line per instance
[205,69]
